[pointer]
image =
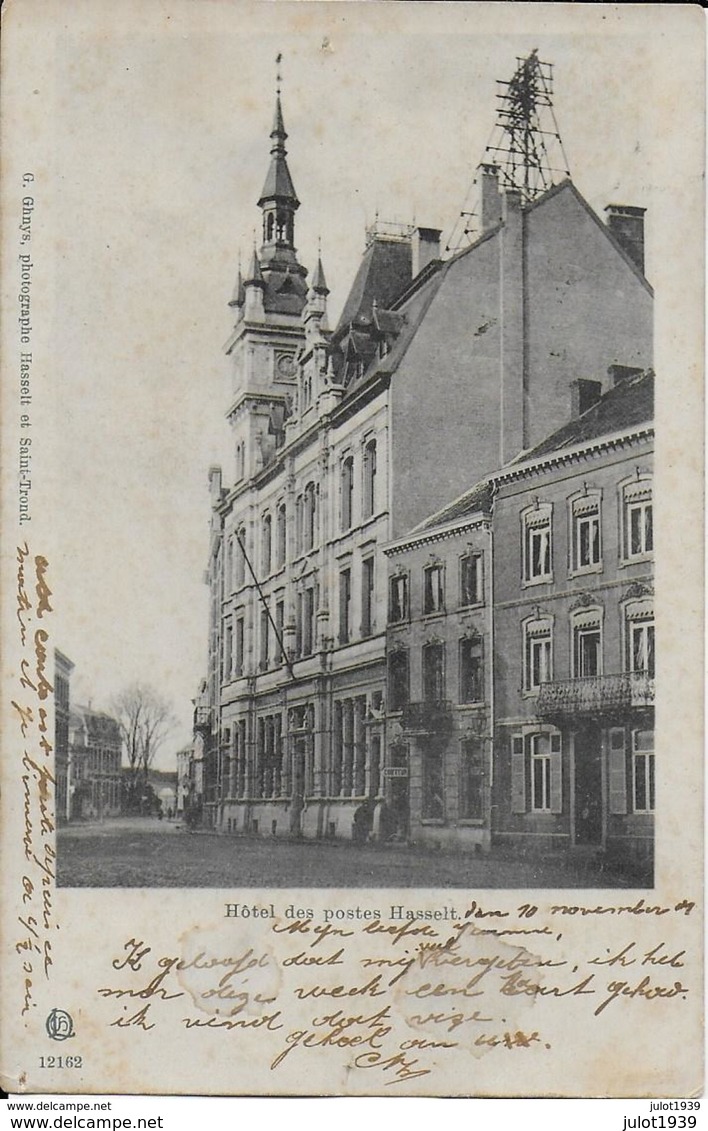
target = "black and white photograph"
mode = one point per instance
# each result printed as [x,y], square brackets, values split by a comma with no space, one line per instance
[340,561]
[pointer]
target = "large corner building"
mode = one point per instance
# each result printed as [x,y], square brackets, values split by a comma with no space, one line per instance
[438,373]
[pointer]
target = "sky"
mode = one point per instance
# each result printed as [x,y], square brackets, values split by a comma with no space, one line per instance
[150,151]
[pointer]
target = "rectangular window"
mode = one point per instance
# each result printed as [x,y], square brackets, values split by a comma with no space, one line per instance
[398,599]
[433,803]
[345,602]
[367,597]
[398,692]
[586,538]
[227,657]
[281,529]
[369,479]
[308,621]
[640,529]
[433,673]
[541,773]
[643,770]
[471,672]
[266,543]
[471,579]
[472,779]
[279,624]
[537,555]
[587,652]
[433,589]
[538,655]
[642,647]
[347,489]
[240,556]
[265,640]
[240,629]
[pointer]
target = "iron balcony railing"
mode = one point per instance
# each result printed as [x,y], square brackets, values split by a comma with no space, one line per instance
[432,716]
[595,695]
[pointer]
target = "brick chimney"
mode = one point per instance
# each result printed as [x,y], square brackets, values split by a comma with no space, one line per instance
[491,205]
[619,373]
[627,226]
[583,395]
[425,247]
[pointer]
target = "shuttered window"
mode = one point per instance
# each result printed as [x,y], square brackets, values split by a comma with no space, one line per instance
[537,773]
[618,771]
[518,774]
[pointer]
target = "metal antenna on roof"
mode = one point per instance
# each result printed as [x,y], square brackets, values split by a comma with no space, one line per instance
[525,143]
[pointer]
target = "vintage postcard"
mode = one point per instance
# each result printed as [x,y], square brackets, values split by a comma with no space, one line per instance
[352,535]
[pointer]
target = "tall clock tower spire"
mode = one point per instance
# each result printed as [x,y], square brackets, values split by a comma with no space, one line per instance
[268,300]
[278,200]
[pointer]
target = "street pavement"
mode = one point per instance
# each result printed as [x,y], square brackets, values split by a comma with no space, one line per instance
[146,852]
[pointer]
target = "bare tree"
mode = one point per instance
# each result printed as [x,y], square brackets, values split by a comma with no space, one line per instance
[145,719]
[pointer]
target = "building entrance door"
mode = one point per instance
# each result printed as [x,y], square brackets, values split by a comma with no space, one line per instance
[399,804]
[588,785]
[297,795]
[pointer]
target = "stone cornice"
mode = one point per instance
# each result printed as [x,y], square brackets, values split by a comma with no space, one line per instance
[571,455]
[437,534]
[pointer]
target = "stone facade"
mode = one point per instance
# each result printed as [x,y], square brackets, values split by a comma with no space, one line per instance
[436,373]
[574,621]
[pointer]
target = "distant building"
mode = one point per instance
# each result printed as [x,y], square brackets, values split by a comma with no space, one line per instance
[184,759]
[437,373]
[63,667]
[95,749]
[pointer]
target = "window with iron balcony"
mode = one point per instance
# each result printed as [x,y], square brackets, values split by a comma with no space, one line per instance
[471,670]
[538,654]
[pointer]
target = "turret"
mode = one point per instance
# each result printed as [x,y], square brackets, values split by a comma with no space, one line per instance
[315,313]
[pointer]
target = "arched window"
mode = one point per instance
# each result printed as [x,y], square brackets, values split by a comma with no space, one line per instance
[369,479]
[266,544]
[347,490]
[269,227]
[280,536]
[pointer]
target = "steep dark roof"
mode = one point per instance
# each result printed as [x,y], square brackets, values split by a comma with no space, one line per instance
[628,404]
[384,273]
[477,498]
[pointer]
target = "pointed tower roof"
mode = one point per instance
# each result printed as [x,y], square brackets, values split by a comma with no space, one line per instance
[319,283]
[239,295]
[254,276]
[278,183]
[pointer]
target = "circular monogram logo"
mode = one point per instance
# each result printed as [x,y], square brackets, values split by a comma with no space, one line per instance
[59,1025]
